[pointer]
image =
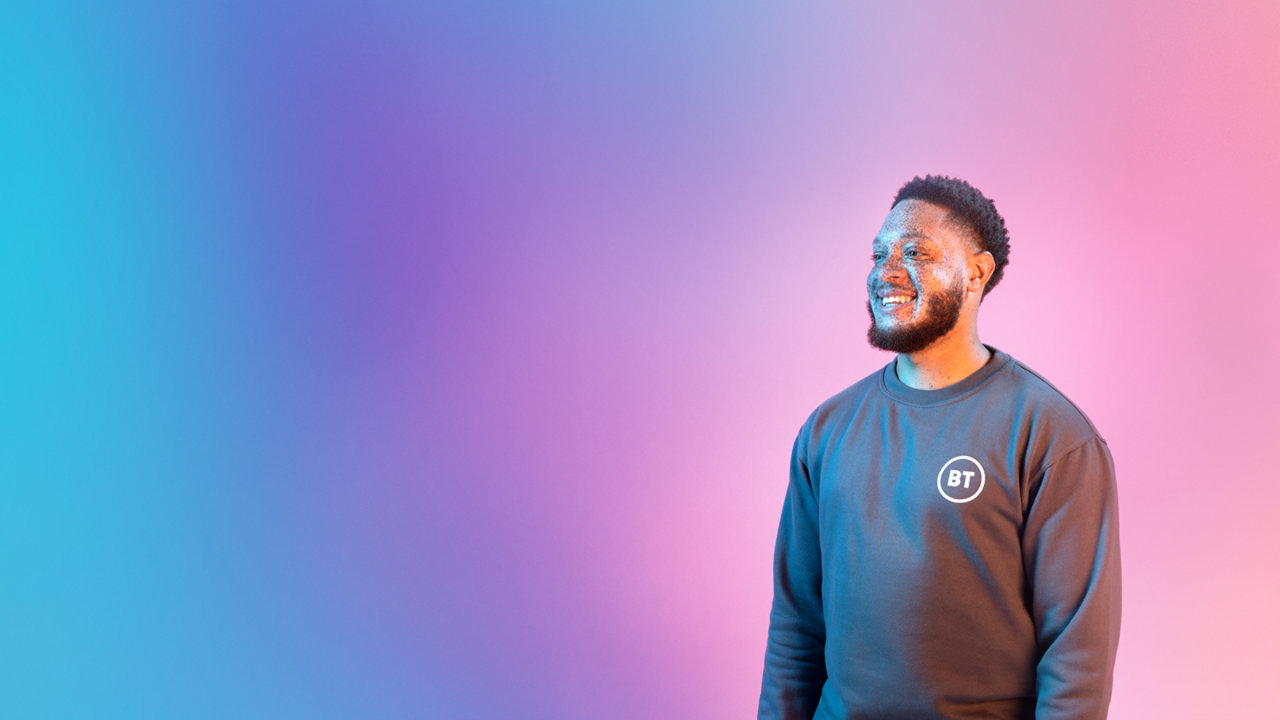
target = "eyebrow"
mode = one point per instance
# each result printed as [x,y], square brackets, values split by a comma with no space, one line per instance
[912,235]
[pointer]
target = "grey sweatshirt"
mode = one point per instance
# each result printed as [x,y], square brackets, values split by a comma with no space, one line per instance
[949,553]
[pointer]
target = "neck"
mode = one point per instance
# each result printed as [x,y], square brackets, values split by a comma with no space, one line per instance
[945,362]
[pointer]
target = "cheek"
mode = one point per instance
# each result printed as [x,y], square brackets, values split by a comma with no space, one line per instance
[944,276]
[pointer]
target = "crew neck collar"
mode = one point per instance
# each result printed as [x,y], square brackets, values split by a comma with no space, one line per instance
[900,391]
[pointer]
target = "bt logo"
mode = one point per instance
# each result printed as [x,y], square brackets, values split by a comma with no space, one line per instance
[961,479]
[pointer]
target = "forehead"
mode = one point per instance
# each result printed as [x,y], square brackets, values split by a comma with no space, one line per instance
[922,220]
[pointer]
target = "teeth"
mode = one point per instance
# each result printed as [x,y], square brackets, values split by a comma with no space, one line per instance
[895,299]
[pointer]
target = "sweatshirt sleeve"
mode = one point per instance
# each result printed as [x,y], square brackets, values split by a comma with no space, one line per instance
[794,664]
[1071,553]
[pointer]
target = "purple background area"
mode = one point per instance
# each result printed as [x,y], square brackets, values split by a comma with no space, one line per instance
[443,360]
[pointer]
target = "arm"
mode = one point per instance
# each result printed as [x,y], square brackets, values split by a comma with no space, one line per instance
[794,666]
[1071,553]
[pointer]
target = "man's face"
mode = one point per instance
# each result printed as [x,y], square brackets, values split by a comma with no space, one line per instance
[916,287]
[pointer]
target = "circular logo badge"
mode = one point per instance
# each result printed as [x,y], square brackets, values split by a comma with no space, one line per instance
[961,479]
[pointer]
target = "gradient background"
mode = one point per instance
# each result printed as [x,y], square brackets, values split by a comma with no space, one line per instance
[442,360]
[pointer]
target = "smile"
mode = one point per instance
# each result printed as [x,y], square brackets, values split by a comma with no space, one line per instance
[894,300]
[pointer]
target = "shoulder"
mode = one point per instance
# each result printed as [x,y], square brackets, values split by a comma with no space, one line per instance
[835,414]
[1043,409]
[846,401]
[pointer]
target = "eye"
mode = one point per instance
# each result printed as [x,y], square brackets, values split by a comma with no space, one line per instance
[910,252]
[877,256]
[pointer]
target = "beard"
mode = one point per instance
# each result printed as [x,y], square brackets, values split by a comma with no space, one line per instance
[941,313]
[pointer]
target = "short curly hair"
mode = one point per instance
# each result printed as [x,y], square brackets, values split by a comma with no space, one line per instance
[968,206]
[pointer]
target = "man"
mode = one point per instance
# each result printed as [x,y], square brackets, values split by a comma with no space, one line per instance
[948,544]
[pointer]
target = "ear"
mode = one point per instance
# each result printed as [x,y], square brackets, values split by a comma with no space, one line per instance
[981,265]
